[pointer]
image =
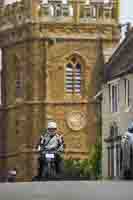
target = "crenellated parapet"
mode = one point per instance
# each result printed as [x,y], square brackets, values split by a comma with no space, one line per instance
[31,19]
[85,11]
[74,11]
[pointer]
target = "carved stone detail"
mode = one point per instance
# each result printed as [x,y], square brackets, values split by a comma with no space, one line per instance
[76,120]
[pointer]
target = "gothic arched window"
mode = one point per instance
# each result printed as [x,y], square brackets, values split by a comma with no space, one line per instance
[73,76]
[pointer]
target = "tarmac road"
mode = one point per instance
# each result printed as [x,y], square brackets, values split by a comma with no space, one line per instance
[67,190]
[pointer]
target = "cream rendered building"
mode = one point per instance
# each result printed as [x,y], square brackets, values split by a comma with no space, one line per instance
[117,108]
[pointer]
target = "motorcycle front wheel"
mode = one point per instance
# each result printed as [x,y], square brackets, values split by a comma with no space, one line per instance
[49,170]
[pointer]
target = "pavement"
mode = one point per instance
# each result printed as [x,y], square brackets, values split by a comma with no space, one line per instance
[67,190]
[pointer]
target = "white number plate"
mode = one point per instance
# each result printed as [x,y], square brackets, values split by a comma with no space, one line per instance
[49,155]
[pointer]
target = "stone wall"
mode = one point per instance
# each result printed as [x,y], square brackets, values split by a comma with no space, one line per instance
[35,54]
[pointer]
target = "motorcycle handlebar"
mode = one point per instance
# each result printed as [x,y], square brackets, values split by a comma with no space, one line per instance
[48,151]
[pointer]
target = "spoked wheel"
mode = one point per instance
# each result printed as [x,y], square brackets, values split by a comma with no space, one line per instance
[51,170]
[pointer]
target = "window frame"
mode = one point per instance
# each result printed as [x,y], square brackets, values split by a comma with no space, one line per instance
[127,92]
[77,76]
[113,150]
[114,98]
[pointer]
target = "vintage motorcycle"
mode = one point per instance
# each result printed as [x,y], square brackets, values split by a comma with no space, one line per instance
[49,166]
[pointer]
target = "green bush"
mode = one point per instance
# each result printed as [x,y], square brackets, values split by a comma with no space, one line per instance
[90,167]
[77,168]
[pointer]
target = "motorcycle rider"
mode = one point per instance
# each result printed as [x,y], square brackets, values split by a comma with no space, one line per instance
[51,140]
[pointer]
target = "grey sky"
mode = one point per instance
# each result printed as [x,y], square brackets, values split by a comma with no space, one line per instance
[126,10]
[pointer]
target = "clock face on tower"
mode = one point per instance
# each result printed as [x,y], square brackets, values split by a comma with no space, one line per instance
[76,120]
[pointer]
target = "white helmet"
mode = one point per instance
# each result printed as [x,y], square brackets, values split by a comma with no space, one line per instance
[52,125]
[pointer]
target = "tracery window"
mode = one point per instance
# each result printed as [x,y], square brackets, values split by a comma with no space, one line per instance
[73,76]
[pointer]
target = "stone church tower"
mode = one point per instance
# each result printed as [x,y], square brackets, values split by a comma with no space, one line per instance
[48,54]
